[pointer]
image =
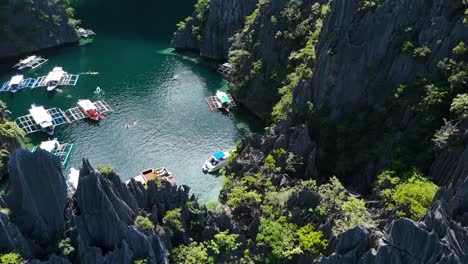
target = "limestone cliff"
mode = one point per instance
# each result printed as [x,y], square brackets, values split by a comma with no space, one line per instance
[27,26]
[350,85]
[352,88]
[213,22]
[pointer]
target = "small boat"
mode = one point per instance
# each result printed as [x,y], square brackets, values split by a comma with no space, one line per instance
[216,162]
[42,118]
[89,109]
[54,77]
[85,33]
[52,86]
[224,69]
[14,83]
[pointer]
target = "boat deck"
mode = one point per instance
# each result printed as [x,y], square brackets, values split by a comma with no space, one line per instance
[214,102]
[68,79]
[76,114]
[26,83]
[28,125]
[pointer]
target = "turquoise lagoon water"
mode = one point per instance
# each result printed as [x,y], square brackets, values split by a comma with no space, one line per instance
[145,83]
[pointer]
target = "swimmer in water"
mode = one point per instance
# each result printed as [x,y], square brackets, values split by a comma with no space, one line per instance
[130,124]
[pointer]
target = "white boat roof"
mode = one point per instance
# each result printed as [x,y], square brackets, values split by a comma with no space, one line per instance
[49,145]
[15,80]
[28,59]
[227,65]
[86,105]
[220,94]
[40,116]
[73,177]
[55,75]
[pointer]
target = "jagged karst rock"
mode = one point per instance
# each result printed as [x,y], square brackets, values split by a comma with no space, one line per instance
[11,238]
[451,163]
[36,196]
[367,64]
[440,237]
[54,259]
[104,231]
[42,24]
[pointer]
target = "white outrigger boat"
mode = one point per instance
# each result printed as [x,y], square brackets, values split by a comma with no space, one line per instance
[216,162]
[30,62]
[221,100]
[40,119]
[88,109]
[55,148]
[54,78]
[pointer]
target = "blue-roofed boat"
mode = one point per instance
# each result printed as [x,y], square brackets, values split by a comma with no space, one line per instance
[217,161]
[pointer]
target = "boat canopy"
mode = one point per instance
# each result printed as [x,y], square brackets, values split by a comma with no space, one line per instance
[218,155]
[15,80]
[55,75]
[224,99]
[86,105]
[49,145]
[222,96]
[227,65]
[40,116]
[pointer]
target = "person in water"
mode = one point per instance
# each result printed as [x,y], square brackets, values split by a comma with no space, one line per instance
[130,124]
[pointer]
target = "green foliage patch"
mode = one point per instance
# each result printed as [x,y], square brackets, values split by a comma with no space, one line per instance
[11,258]
[104,169]
[144,224]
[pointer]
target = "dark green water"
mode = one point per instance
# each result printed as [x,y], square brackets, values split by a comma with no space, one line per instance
[162,92]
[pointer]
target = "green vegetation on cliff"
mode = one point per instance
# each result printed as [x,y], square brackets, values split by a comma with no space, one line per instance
[341,112]
[10,136]
[11,258]
[411,193]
